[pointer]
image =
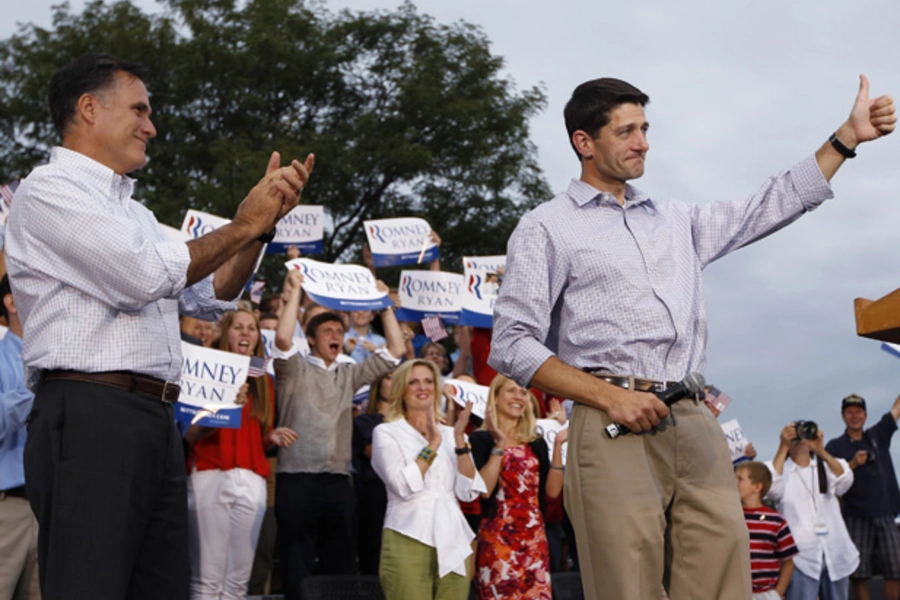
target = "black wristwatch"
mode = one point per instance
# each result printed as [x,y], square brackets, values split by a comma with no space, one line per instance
[462,451]
[267,237]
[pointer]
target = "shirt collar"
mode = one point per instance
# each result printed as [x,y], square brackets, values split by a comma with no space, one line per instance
[13,340]
[582,193]
[318,362]
[94,174]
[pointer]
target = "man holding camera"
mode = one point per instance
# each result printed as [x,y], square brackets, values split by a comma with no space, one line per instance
[870,505]
[806,484]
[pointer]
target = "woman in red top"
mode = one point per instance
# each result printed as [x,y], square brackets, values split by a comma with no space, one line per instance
[513,559]
[227,477]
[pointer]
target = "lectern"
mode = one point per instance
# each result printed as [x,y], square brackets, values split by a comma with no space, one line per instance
[879,319]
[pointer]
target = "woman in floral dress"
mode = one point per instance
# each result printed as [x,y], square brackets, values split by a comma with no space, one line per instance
[513,560]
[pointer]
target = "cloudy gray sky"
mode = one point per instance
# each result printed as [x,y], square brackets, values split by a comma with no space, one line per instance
[739,91]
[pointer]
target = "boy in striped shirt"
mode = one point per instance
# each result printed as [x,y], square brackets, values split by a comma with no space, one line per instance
[771,543]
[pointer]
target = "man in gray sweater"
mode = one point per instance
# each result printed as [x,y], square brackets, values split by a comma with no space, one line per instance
[314,501]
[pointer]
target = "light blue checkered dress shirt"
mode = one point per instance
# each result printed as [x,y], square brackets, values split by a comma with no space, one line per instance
[604,286]
[97,283]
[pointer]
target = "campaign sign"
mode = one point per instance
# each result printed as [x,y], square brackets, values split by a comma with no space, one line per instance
[400,241]
[425,294]
[548,429]
[734,435]
[268,336]
[340,287]
[481,286]
[210,383]
[302,227]
[175,235]
[197,223]
[464,391]
[891,348]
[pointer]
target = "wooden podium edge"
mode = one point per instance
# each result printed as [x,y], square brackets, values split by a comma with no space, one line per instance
[879,319]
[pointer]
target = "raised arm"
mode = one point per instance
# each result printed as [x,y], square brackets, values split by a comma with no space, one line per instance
[557,468]
[784,443]
[818,447]
[490,459]
[868,120]
[435,265]
[287,320]
[277,193]
[895,409]
[393,335]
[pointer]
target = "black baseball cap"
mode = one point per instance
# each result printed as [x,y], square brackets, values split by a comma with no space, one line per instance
[853,400]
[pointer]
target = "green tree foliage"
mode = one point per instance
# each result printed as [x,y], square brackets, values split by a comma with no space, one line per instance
[406,116]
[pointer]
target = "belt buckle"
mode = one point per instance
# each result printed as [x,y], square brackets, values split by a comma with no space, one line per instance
[165,392]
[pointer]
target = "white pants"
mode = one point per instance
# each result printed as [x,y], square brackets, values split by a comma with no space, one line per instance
[225,513]
[770,595]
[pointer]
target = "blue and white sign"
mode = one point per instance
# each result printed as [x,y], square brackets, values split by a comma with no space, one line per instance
[302,227]
[891,348]
[465,391]
[197,223]
[737,443]
[402,241]
[340,287]
[549,429]
[175,235]
[429,294]
[268,336]
[210,383]
[482,285]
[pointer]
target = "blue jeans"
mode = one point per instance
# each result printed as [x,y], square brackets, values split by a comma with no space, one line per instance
[807,588]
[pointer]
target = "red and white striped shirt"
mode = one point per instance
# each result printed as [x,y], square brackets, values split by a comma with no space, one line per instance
[770,544]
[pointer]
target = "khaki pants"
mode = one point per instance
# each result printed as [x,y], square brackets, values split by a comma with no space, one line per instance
[18,550]
[620,494]
[409,571]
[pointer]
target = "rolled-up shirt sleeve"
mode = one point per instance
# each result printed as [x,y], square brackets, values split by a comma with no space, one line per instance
[199,300]
[839,484]
[776,490]
[401,477]
[522,313]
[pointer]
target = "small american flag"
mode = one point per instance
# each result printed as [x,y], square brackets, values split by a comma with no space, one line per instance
[257,366]
[6,195]
[256,291]
[7,190]
[434,329]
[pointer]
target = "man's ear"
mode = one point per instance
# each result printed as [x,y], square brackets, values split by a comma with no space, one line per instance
[583,143]
[87,108]
[10,304]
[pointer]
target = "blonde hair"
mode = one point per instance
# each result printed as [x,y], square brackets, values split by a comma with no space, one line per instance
[261,408]
[526,428]
[400,382]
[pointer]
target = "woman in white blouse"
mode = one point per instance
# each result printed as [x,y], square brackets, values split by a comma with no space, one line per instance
[425,467]
[827,555]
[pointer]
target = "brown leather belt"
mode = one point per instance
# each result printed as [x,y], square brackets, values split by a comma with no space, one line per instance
[16,492]
[142,384]
[635,383]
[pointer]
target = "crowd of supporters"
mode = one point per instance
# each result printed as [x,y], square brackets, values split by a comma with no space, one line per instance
[354,458]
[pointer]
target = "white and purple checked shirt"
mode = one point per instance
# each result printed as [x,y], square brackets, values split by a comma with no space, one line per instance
[604,286]
[97,283]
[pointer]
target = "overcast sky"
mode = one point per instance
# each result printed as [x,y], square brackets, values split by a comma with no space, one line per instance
[739,91]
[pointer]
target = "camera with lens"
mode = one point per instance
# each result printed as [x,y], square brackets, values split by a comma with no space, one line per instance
[807,430]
